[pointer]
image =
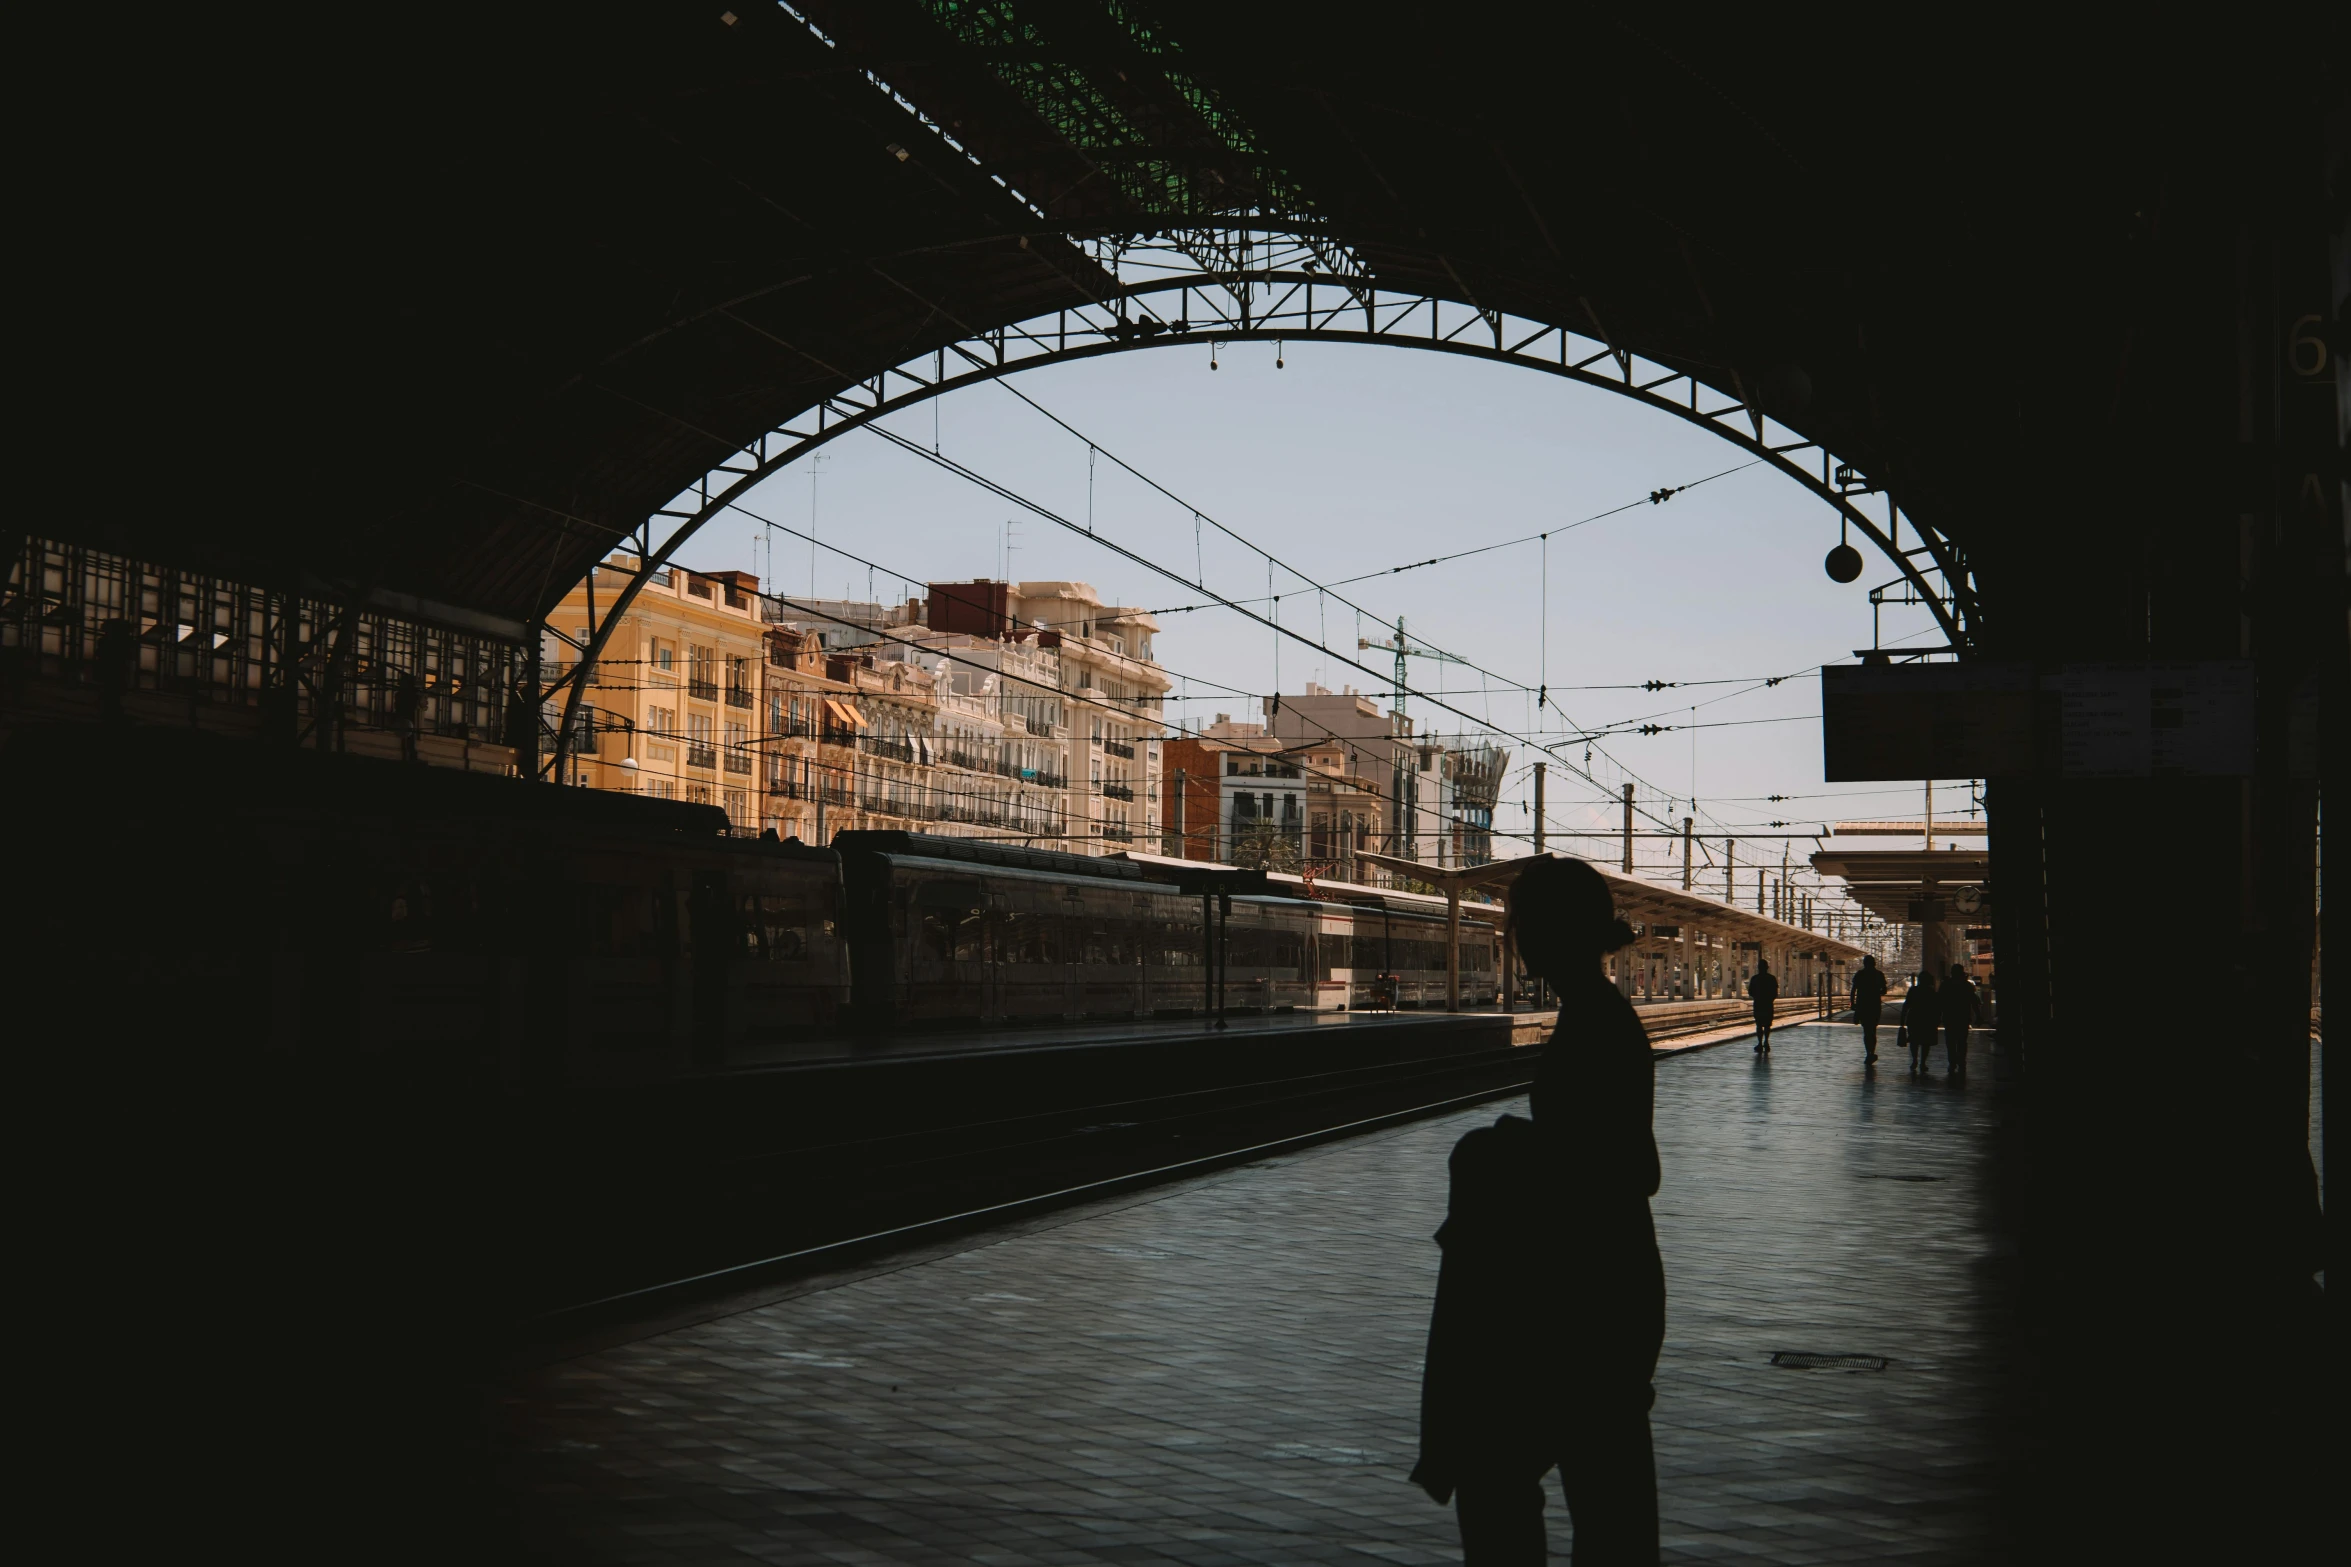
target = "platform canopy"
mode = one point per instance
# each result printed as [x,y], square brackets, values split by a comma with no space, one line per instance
[1914,886]
[444,301]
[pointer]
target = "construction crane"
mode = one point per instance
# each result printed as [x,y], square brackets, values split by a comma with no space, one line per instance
[1405,793]
[1405,649]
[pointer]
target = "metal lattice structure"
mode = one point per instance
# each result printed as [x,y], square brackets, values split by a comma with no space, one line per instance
[94,632]
[1209,288]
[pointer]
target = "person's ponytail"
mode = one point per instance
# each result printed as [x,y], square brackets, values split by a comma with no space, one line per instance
[1620,936]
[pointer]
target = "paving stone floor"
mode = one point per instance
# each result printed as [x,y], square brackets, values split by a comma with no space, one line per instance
[1227,1370]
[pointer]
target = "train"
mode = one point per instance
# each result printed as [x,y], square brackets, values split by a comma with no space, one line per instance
[959,930]
[365,911]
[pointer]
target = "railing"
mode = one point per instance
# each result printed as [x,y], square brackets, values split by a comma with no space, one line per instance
[738,761]
[895,749]
[1117,791]
[701,756]
[702,690]
[1118,834]
[1119,748]
[737,696]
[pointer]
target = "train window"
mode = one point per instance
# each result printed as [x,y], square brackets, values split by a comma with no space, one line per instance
[778,929]
[1333,949]
[1023,937]
[955,935]
[615,920]
[1179,945]
[1107,943]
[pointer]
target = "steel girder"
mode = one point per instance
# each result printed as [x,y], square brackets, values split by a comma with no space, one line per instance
[1273,284]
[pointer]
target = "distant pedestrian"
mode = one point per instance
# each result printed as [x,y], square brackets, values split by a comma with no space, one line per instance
[1919,1020]
[1764,991]
[1869,995]
[1551,1298]
[1955,1002]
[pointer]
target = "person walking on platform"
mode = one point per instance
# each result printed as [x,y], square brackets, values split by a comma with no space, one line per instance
[1955,1001]
[1919,1020]
[1869,996]
[1764,990]
[1550,1305]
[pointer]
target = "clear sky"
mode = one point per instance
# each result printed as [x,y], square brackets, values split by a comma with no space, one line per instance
[1353,459]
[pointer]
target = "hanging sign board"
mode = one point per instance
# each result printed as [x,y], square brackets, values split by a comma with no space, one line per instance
[1908,721]
[2109,720]
[2156,720]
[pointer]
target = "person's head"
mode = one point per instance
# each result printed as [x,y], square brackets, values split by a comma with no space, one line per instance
[1763,965]
[1926,977]
[1959,971]
[1562,918]
[1867,961]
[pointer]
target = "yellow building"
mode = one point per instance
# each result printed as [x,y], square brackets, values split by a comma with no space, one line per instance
[696,699]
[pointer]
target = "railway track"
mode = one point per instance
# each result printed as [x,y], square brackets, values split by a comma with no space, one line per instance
[893,1190]
[908,1188]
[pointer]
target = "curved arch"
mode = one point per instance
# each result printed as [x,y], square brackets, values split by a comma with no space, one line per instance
[1306,302]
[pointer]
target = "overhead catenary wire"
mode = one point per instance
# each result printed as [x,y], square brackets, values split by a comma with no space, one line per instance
[1005,492]
[1653,497]
[1106,705]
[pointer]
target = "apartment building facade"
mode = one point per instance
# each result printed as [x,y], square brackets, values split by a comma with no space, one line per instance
[673,707]
[1040,725]
[1234,784]
[1378,750]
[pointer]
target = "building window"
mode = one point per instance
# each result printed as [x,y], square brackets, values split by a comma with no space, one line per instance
[700,752]
[665,656]
[702,674]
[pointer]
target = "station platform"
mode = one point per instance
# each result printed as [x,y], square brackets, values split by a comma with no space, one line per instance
[1227,1369]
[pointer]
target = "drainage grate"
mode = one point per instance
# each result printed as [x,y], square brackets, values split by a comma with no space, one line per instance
[1902,1177]
[1808,1360]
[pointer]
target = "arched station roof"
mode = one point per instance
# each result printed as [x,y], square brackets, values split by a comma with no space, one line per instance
[444,302]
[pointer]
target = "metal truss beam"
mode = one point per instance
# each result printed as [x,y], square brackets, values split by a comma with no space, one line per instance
[1279,288]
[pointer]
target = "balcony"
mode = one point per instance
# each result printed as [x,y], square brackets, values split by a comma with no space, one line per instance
[702,690]
[1119,748]
[738,696]
[701,756]
[738,761]
[895,749]
[1117,791]
[1116,833]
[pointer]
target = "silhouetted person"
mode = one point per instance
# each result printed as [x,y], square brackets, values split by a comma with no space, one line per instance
[1764,989]
[1955,1000]
[1551,1302]
[1869,996]
[1919,1020]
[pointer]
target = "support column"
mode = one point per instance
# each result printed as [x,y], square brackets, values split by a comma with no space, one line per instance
[1452,947]
[1539,769]
[1628,830]
[1687,824]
